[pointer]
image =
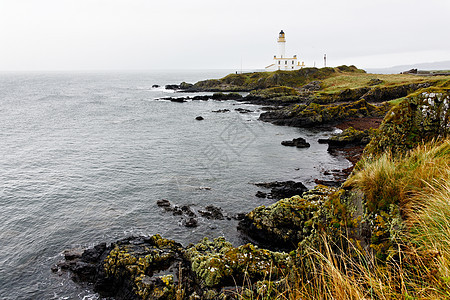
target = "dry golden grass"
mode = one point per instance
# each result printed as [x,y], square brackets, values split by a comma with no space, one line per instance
[395,180]
[420,266]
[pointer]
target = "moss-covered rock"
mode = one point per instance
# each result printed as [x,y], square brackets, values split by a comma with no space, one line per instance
[134,268]
[289,221]
[416,119]
[275,92]
[350,136]
[217,263]
[316,114]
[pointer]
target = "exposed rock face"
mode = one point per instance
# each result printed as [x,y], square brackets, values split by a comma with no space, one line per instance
[287,222]
[379,94]
[371,93]
[312,86]
[316,115]
[217,263]
[132,268]
[416,119]
[157,268]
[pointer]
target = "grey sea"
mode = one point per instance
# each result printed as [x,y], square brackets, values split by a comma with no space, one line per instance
[85,156]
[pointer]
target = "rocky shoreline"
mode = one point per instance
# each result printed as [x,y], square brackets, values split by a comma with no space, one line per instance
[279,234]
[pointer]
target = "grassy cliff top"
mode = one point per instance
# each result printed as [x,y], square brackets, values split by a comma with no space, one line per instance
[263,80]
[329,80]
[358,80]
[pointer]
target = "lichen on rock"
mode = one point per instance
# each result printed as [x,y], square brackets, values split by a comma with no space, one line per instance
[419,118]
[289,221]
[217,263]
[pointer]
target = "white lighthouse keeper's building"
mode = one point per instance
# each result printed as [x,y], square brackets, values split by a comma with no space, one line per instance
[281,62]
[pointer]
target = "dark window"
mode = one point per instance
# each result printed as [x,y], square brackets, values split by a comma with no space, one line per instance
[292,62]
[285,62]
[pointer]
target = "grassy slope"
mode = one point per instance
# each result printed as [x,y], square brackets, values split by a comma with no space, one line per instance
[353,81]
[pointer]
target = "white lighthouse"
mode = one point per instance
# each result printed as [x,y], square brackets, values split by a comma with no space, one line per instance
[281,44]
[281,62]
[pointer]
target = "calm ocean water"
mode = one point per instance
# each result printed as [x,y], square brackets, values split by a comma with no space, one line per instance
[85,156]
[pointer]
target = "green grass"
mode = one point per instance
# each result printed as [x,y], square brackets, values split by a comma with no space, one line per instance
[358,80]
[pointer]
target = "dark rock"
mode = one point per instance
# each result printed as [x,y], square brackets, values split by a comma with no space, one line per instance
[221,110]
[204,98]
[243,110]
[312,86]
[260,194]
[172,87]
[185,85]
[283,189]
[157,268]
[212,212]
[188,211]
[375,81]
[155,86]
[72,254]
[172,99]
[239,216]
[178,100]
[177,211]
[229,96]
[93,254]
[412,71]
[299,143]
[134,267]
[199,118]
[163,203]
[331,183]
[191,222]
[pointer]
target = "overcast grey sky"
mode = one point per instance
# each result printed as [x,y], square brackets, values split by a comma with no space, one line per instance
[208,34]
